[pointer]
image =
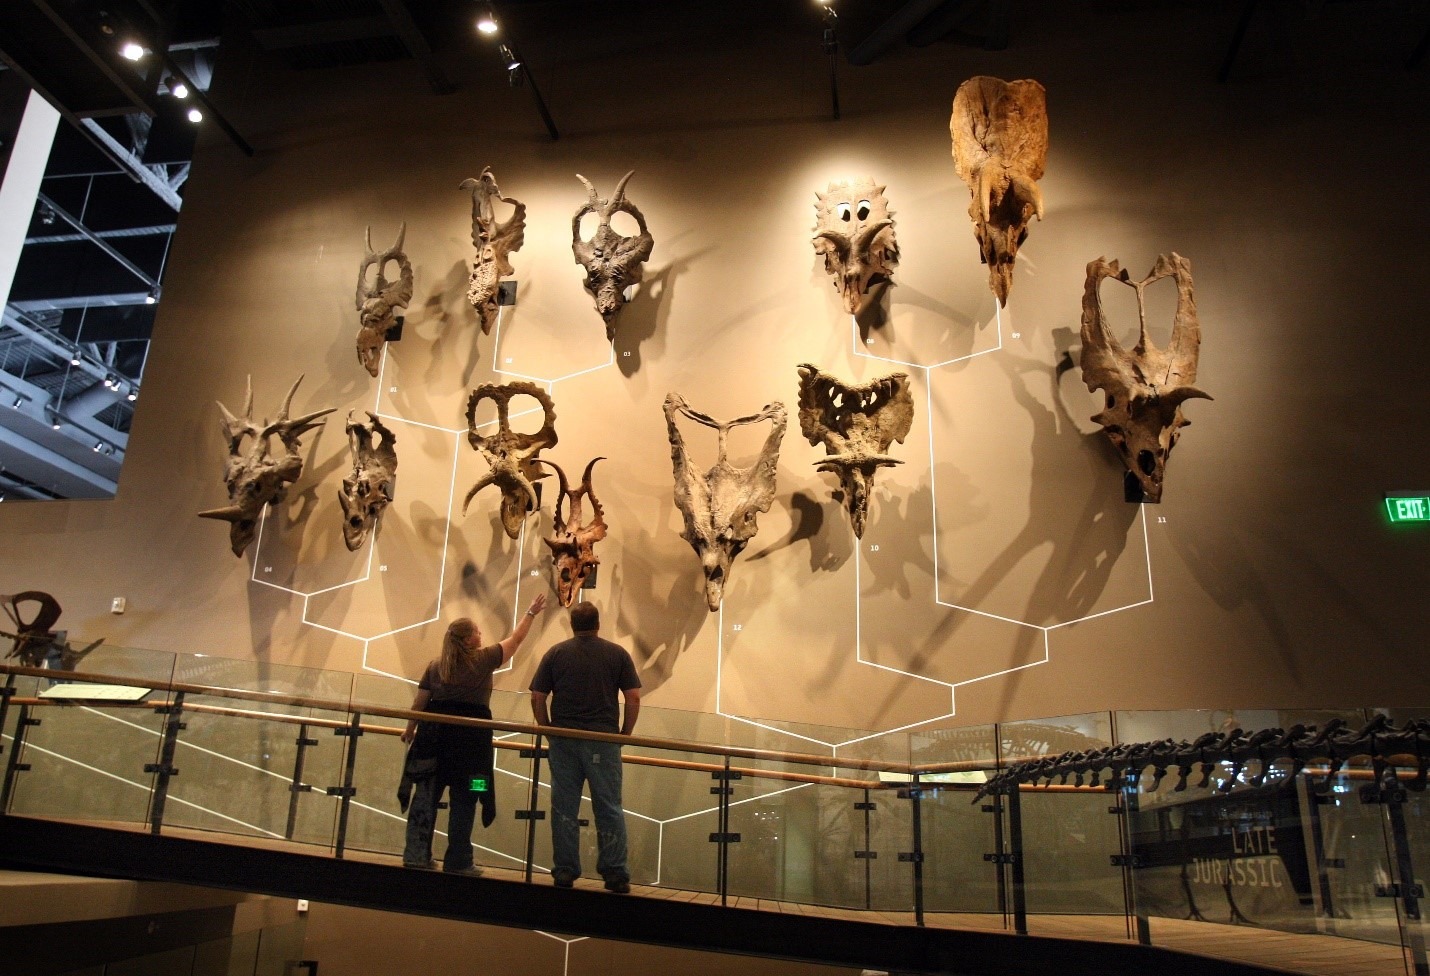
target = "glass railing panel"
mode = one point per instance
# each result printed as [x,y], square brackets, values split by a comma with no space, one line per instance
[87,757]
[1415,813]
[957,832]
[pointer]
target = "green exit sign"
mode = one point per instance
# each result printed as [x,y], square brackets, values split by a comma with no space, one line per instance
[1408,508]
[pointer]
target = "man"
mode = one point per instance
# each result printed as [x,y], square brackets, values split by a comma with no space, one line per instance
[584,673]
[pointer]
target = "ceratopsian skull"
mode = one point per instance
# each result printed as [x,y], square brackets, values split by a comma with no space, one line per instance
[720,507]
[1000,146]
[856,425]
[494,242]
[855,233]
[368,490]
[377,306]
[512,455]
[573,545]
[1145,388]
[612,262]
[254,477]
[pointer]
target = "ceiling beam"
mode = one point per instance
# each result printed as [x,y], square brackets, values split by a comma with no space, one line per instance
[148,231]
[98,241]
[322,32]
[416,44]
[131,163]
[139,100]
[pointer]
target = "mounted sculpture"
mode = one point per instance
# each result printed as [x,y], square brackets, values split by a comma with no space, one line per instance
[370,488]
[377,305]
[1000,146]
[856,425]
[1145,388]
[255,477]
[35,642]
[721,506]
[612,261]
[512,455]
[494,241]
[854,231]
[573,545]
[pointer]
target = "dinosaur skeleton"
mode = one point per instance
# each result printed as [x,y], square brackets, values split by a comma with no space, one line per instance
[256,478]
[855,234]
[368,491]
[721,506]
[512,455]
[1144,388]
[494,241]
[573,545]
[612,261]
[856,425]
[377,305]
[1000,147]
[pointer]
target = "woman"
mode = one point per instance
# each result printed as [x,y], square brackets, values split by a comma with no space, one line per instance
[455,758]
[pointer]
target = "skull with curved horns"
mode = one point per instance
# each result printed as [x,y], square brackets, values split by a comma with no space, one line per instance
[612,260]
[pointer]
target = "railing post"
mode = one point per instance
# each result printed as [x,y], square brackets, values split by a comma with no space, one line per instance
[914,794]
[298,787]
[868,853]
[723,838]
[6,693]
[353,732]
[165,769]
[1388,792]
[999,856]
[531,814]
[17,747]
[1129,859]
[1317,794]
[1015,859]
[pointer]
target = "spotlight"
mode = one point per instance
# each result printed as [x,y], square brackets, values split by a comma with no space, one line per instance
[487,22]
[56,424]
[179,90]
[513,63]
[18,402]
[152,297]
[133,395]
[195,116]
[97,446]
[131,51]
[47,215]
[74,360]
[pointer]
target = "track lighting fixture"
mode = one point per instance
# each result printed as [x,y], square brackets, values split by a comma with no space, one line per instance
[74,360]
[195,116]
[487,21]
[152,297]
[19,400]
[131,51]
[179,90]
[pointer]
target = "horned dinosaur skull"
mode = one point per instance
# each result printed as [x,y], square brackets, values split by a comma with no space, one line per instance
[494,241]
[512,455]
[1000,146]
[612,262]
[254,476]
[367,492]
[721,506]
[1145,388]
[573,545]
[377,305]
[35,642]
[856,425]
[855,233]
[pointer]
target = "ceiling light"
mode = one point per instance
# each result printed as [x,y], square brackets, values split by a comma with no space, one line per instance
[133,395]
[97,446]
[74,360]
[56,424]
[152,297]
[179,90]
[131,51]
[195,116]
[19,400]
[487,22]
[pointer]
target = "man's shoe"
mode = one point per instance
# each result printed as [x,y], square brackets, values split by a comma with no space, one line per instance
[562,880]
[429,865]
[618,885]
[470,871]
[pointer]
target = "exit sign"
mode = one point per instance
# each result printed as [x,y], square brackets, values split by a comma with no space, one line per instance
[1408,507]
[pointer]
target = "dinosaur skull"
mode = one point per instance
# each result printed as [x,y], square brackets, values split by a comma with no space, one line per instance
[612,262]
[494,242]
[1000,146]
[855,233]
[255,477]
[1144,388]
[377,305]
[721,506]
[573,545]
[512,455]
[367,492]
[856,425]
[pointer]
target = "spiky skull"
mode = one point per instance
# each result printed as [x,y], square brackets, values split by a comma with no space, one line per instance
[573,545]
[370,488]
[255,477]
[1000,146]
[1144,388]
[494,241]
[854,231]
[511,454]
[377,304]
[856,425]
[612,261]
[721,507]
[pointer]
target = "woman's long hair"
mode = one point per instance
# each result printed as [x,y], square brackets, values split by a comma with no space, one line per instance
[454,647]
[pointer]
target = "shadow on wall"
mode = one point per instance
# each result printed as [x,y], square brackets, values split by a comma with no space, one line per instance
[658,638]
[827,550]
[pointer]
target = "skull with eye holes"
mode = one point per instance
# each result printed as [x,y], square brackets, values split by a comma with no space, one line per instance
[612,261]
[855,234]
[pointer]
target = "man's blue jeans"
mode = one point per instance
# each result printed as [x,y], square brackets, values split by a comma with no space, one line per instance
[574,761]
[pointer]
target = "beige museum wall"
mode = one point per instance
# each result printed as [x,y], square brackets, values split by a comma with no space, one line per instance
[1267,576]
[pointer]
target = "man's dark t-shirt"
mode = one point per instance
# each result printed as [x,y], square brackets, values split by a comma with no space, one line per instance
[584,674]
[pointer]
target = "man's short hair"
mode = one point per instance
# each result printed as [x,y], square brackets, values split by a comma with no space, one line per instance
[584,617]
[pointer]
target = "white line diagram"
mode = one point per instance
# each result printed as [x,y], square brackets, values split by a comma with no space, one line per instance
[1045,630]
